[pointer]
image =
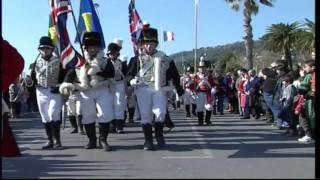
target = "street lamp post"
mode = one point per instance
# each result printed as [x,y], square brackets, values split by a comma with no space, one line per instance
[196,33]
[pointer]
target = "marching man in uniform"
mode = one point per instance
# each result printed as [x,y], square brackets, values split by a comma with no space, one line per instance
[204,99]
[48,76]
[74,112]
[189,86]
[150,73]
[120,68]
[95,80]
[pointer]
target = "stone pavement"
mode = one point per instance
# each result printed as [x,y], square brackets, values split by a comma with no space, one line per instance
[231,148]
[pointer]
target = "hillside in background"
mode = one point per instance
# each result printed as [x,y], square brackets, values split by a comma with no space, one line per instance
[262,58]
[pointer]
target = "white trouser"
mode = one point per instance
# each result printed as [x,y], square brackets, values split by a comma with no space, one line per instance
[73,104]
[202,102]
[151,102]
[119,100]
[49,104]
[188,99]
[97,105]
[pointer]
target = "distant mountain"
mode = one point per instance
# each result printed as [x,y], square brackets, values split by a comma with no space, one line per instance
[262,58]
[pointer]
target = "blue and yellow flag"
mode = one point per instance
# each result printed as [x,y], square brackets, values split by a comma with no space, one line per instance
[89,21]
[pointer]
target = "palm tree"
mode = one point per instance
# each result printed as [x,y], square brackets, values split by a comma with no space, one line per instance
[282,38]
[228,62]
[249,7]
[306,40]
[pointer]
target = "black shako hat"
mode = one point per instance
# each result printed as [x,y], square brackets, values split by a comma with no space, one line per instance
[149,35]
[91,39]
[45,41]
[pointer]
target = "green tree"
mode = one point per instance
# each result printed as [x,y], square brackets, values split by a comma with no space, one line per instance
[228,63]
[249,7]
[282,38]
[306,41]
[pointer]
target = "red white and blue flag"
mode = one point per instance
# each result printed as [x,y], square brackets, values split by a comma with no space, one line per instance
[69,57]
[135,25]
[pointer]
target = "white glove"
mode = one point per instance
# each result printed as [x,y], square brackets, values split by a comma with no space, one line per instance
[66,88]
[213,90]
[208,106]
[134,81]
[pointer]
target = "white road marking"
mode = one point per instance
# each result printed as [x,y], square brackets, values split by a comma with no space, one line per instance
[187,157]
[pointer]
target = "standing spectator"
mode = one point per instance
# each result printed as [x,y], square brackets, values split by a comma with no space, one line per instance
[281,70]
[237,85]
[220,92]
[243,95]
[286,113]
[251,90]
[308,123]
[268,87]
[233,94]
[15,93]
[25,97]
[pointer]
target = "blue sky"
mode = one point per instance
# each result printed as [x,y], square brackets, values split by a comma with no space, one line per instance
[25,21]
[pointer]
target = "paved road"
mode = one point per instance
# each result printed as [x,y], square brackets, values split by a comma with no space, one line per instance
[231,148]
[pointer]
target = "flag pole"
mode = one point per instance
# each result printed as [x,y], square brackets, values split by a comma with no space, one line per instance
[75,25]
[196,34]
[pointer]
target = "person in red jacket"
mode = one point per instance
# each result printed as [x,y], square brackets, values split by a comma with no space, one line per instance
[189,86]
[204,83]
[12,66]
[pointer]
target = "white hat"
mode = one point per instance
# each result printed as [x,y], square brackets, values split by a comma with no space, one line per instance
[118,42]
[146,23]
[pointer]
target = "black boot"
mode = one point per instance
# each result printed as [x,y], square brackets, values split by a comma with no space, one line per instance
[187,106]
[79,119]
[174,106]
[168,122]
[194,107]
[103,135]
[119,125]
[56,125]
[208,118]
[91,133]
[125,116]
[147,131]
[131,114]
[73,122]
[178,104]
[49,133]
[158,128]
[112,126]
[200,118]
[214,109]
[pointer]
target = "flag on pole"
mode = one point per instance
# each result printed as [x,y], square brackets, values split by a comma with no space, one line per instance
[52,33]
[168,36]
[135,25]
[89,21]
[69,57]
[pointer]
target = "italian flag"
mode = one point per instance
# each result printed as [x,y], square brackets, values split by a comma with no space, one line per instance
[168,36]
